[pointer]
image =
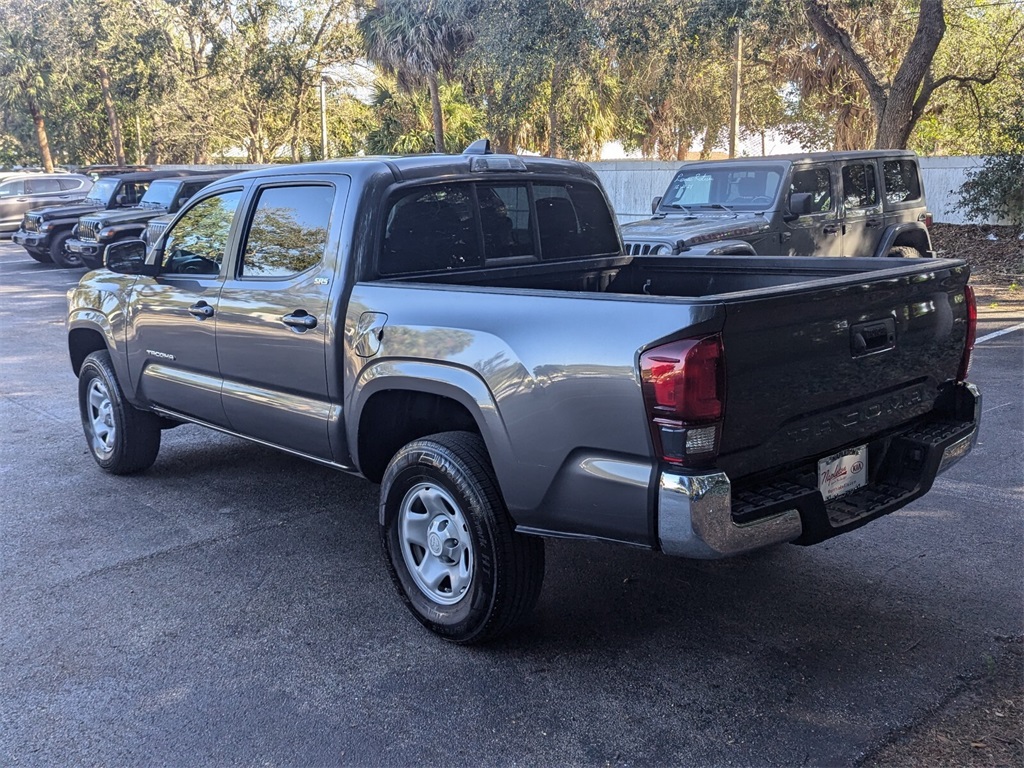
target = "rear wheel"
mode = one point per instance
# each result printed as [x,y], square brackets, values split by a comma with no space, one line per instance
[61,256]
[39,254]
[453,553]
[121,438]
[904,252]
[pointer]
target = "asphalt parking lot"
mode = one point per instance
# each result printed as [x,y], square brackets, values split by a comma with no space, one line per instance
[230,607]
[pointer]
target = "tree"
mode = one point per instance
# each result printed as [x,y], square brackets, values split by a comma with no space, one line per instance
[418,41]
[25,67]
[898,99]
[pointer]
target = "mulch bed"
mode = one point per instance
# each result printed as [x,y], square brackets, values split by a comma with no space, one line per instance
[996,256]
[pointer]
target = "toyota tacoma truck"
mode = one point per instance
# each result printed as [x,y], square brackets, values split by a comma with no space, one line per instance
[95,231]
[864,203]
[467,332]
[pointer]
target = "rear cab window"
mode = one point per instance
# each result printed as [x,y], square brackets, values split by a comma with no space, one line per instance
[465,225]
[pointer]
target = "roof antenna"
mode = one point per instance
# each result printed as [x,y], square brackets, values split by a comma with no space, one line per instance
[479,147]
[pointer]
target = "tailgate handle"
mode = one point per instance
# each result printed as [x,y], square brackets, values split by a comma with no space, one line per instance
[876,336]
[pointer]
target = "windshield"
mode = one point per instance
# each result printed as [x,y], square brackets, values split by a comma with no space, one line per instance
[708,188]
[160,194]
[102,190]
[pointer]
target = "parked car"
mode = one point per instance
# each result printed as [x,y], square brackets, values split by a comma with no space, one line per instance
[465,331]
[44,233]
[22,192]
[95,231]
[818,204]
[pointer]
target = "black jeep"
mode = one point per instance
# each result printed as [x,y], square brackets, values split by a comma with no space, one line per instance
[95,231]
[817,204]
[45,232]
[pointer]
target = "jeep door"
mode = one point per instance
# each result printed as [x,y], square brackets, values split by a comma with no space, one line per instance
[863,221]
[273,326]
[817,233]
[172,344]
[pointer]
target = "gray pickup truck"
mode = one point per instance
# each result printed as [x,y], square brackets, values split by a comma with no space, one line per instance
[865,203]
[466,331]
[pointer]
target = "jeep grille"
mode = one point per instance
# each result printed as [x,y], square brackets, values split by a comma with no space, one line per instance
[641,249]
[153,231]
[87,230]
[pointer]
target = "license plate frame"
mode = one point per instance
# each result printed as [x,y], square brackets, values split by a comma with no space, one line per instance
[843,472]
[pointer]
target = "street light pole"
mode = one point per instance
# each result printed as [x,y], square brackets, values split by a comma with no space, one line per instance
[323,117]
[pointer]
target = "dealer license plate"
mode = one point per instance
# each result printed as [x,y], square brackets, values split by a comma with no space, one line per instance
[844,472]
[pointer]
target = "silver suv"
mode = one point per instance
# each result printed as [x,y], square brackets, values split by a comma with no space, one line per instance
[24,191]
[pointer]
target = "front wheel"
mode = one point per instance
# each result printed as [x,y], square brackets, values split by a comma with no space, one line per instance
[452,550]
[60,254]
[121,438]
[40,254]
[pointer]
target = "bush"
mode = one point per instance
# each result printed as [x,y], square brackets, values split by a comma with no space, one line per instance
[995,189]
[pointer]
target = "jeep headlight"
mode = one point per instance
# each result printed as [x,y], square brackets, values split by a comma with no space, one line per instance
[662,250]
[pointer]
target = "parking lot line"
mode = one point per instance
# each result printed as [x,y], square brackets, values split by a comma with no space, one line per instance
[997,334]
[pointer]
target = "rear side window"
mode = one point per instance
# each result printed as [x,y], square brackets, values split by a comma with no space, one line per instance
[859,188]
[817,182]
[42,186]
[288,232]
[70,183]
[901,181]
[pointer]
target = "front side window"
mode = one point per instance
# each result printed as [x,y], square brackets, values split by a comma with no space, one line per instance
[901,180]
[818,183]
[198,240]
[132,193]
[859,189]
[12,188]
[288,232]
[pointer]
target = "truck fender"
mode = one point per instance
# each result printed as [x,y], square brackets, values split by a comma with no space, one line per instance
[912,233]
[89,331]
[461,385]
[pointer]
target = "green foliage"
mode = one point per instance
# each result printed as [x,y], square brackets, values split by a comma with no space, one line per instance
[403,121]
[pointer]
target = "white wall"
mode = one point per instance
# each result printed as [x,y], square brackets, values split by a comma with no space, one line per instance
[631,184]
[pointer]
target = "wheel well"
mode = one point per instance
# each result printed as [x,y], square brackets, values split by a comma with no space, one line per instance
[915,238]
[81,343]
[393,418]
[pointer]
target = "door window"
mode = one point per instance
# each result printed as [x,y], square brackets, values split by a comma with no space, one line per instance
[859,188]
[12,188]
[817,182]
[288,232]
[198,240]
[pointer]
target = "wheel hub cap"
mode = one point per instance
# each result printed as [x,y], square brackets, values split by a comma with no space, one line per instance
[436,544]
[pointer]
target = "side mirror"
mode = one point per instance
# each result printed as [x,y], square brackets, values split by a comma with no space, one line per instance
[128,257]
[655,203]
[121,200]
[799,205]
[180,202]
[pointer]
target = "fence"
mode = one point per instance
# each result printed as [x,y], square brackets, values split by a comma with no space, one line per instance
[632,184]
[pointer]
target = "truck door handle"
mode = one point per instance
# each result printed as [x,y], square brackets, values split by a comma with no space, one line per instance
[831,229]
[300,320]
[872,223]
[201,309]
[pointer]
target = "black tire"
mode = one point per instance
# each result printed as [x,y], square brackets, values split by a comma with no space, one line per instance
[904,252]
[61,256]
[505,570]
[40,255]
[120,437]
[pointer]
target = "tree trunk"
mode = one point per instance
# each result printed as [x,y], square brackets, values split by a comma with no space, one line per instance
[708,146]
[112,118]
[896,106]
[41,138]
[553,127]
[435,111]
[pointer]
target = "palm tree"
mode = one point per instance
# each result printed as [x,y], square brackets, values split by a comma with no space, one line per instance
[22,79]
[417,41]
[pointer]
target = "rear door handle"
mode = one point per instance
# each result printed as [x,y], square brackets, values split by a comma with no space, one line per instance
[201,309]
[872,223]
[831,229]
[300,320]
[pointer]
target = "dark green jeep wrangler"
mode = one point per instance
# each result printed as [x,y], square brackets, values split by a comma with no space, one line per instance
[867,203]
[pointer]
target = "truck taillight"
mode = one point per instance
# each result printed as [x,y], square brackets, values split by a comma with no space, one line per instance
[927,218]
[684,390]
[972,333]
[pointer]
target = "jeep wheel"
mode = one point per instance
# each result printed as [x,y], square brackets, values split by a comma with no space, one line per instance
[453,554]
[904,252]
[121,438]
[40,255]
[61,256]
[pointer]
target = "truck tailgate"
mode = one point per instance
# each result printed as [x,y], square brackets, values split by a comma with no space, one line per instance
[822,366]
